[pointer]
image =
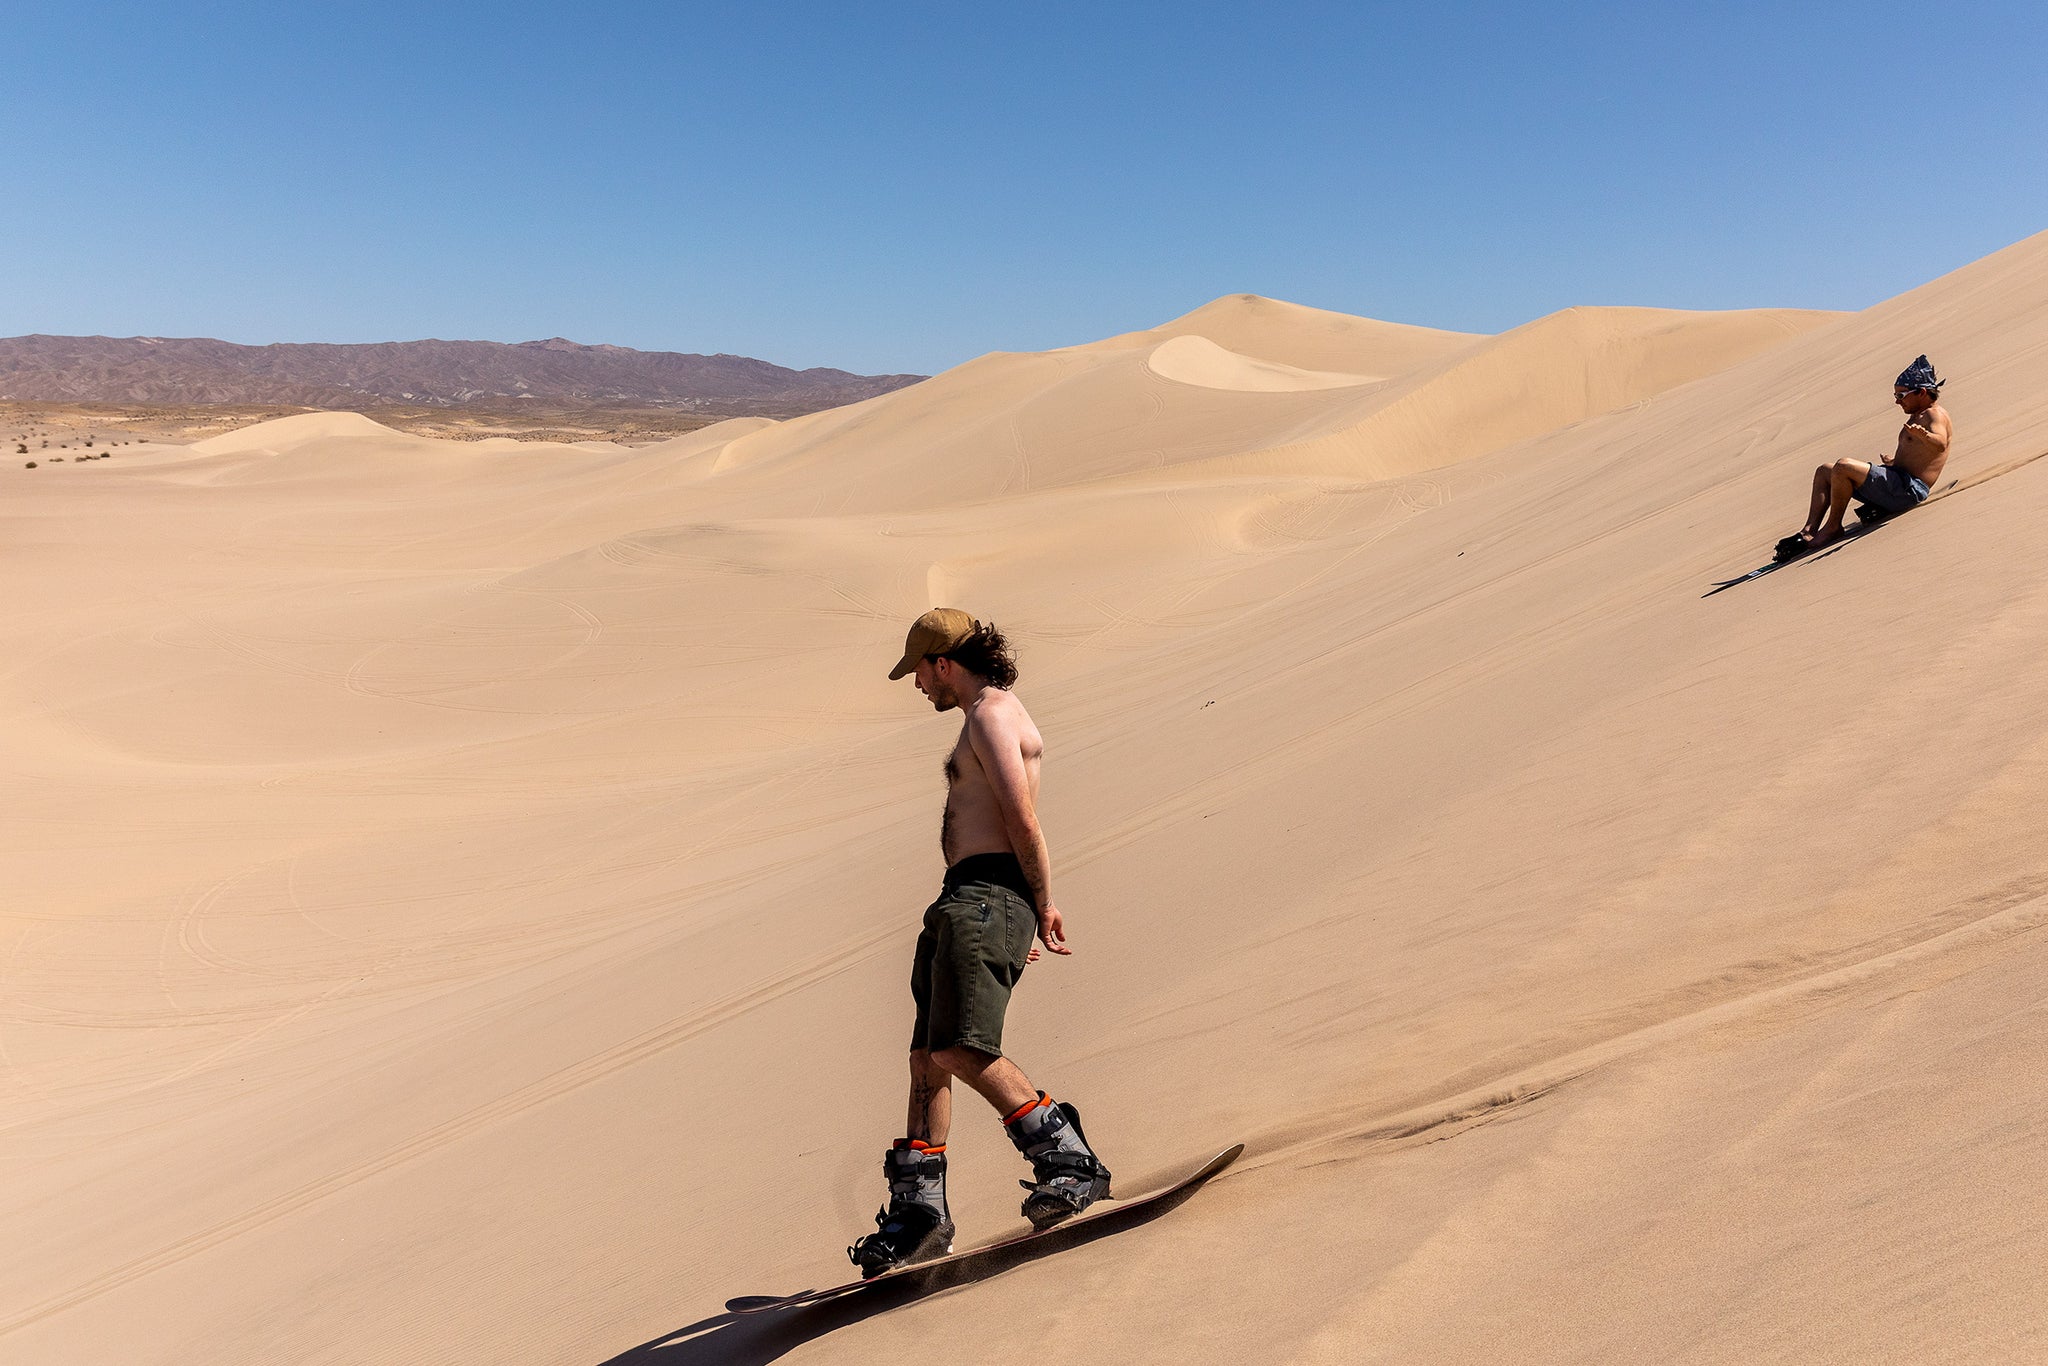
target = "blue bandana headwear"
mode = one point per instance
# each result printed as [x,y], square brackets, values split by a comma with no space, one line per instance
[1919,375]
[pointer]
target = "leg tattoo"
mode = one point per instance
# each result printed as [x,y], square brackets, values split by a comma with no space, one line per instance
[920,1107]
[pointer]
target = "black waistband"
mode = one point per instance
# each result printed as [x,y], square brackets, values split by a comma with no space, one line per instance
[1001,869]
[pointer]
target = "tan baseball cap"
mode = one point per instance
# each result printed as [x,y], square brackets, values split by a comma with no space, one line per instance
[934,633]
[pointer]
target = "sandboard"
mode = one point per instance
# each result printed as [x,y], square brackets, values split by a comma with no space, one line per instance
[758,1304]
[1861,529]
[1867,521]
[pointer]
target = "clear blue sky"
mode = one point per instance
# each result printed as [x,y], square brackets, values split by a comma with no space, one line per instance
[901,187]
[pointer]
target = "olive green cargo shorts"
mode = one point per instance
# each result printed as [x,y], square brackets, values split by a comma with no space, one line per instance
[970,954]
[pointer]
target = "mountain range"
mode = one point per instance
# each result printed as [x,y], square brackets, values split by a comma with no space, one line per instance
[468,374]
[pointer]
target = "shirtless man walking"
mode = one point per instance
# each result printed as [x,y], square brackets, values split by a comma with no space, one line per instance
[976,940]
[1899,483]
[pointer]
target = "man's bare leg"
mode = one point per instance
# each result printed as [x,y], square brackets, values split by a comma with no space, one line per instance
[1844,478]
[1833,485]
[996,1079]
[1823,483]
[931,1100]
[1067,1177]
[915,1225]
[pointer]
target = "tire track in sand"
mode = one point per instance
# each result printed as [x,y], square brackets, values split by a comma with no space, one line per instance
[559,1083]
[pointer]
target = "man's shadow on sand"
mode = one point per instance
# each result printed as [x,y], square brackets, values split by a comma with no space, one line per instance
[755,1339]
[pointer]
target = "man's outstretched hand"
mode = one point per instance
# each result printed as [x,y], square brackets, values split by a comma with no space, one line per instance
[1052,932]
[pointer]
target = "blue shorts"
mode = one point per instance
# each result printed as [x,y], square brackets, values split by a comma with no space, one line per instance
[1890,489]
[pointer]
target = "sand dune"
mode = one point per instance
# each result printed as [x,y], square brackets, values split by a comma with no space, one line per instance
[1008,424]
[1565,368]
[460,899]
[708,438]
[1201,362]
[1306,338]
[289,433]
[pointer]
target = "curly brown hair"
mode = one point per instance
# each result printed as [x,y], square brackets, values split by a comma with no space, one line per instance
[986,653]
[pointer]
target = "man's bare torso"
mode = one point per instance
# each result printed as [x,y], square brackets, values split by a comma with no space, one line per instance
[974,821]
[1924,444]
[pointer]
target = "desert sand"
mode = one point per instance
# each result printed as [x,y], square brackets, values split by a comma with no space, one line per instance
[460,894]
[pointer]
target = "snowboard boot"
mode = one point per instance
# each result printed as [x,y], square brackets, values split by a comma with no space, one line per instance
[1067,1175]
[915,1225]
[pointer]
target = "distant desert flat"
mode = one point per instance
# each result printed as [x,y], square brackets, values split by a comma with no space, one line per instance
[461,893]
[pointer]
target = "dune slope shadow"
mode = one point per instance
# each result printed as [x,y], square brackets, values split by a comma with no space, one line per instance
[754,1339]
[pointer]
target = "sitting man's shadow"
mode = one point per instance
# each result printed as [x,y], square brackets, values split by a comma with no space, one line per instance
[752,1339]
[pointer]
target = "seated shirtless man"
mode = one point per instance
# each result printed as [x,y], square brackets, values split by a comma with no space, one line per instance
[1899,482]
